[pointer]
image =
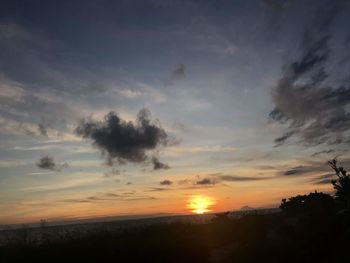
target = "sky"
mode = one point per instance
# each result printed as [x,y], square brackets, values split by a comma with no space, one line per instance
[134,107]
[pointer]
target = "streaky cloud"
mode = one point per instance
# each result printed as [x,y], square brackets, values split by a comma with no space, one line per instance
[307,98]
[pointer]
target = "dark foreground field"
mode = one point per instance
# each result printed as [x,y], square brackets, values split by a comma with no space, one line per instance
[309,228]
[316,234]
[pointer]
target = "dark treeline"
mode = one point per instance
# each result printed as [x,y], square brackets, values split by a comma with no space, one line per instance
[309,228]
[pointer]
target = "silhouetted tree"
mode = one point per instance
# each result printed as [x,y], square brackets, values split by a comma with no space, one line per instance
[341,184]
[313,203]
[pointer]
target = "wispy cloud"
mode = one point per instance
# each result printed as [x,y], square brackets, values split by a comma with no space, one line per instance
[299,170]
[235,178]
[323,179]
[312,101]
[126,196]
[11,163]
[208,180]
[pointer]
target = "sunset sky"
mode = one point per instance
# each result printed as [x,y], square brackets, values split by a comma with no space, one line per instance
[132,107]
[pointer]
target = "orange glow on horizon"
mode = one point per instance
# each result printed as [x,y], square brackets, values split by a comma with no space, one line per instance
[199,204]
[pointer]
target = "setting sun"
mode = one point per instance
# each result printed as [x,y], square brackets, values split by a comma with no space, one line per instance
[200,204]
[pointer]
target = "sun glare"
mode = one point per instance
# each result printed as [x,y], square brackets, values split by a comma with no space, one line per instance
[200,204]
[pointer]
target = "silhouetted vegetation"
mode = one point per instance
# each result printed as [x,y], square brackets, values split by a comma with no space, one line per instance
[318,204]
[310,228]
[341,185]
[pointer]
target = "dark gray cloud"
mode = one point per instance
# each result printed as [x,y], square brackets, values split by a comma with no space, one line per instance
[121,141]
[217,178]
[179,72]
[311,168]
[206,181]
[324,179]
[307,97]
[307,168]
[158,165]
[158,189]
[166,182]
[298,170]
[46,162]
[236,178]
[42,129]
[282,139]
[323,152]
[210,180]
[49,163]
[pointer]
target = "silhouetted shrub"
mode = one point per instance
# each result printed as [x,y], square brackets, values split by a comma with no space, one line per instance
[313,203]
[341,184]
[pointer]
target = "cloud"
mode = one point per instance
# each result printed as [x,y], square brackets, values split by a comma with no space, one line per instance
[121,141]
[112,173]
[10,91]
[282,139]
[49,163]
[324,179]
[303,169]
[217,178]
[20,107]
[179,126]
[158,189]
[131,94]
[323,152]
[179,72]
[236,178]
[166,182]
[11,163]
[157,165]
[298,170]
[306,97]
[311,168]
[42,129]
[46,162]
[210,180]
[126,196]
[206,181]
[16,32]
[266,167]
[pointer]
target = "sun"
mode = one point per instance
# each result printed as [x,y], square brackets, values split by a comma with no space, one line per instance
[200,204]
